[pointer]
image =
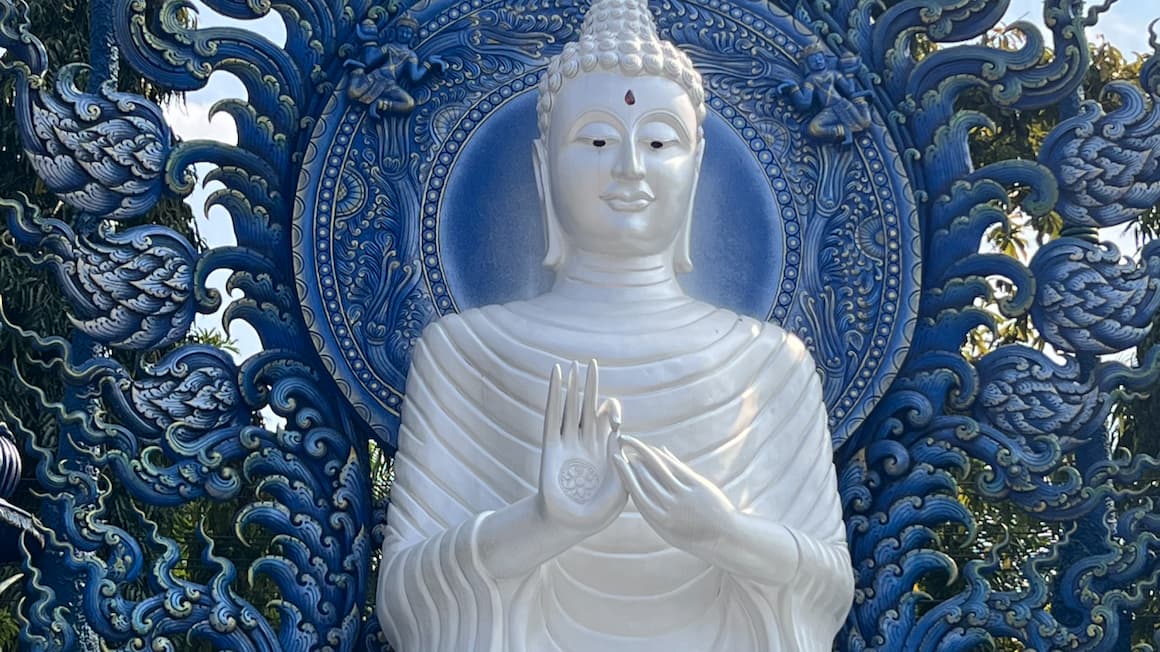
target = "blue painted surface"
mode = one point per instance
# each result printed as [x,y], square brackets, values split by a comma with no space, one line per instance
[355,231]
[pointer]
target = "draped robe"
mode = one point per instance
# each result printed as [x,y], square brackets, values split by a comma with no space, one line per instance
[736,399]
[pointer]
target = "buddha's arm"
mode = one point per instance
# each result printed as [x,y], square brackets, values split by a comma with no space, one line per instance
[580,431]
[440,593]
[773,553]
[789,529]
[434,484]
[791,532]
[434,590]
[515,540]
[692,513]
[772,560]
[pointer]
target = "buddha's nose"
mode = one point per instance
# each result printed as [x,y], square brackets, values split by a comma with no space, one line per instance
[629,164]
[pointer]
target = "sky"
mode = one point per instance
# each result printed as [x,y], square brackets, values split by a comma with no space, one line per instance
[1124,25]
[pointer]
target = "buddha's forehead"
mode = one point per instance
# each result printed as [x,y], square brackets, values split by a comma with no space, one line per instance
[624,98]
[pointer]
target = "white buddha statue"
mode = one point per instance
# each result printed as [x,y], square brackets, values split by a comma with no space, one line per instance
[684,498]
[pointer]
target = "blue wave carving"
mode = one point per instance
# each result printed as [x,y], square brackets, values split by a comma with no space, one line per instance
[1089,301]
[1108,163]
[132,289]
[104,154]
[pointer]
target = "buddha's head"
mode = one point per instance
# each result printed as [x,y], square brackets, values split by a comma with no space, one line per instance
[621,140]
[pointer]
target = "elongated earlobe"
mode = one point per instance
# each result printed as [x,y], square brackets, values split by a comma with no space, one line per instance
[555,256]
[683,251]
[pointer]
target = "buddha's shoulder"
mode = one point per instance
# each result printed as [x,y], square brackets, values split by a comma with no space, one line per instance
[457,325]
[764,332]
[451,322]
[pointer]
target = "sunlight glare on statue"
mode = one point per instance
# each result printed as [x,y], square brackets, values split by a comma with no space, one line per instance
[684,498]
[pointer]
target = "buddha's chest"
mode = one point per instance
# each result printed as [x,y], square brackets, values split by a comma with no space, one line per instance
[697,423]
[706,391]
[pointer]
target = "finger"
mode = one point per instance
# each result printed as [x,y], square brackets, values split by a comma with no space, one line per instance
[682,471]
[628,477]
[648,494]
[608,416]
[588,412]
[552,413]
[657,467]
[626,474]
[571,401]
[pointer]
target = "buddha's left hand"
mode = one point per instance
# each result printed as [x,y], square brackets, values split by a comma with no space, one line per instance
[684,507]
[691,513]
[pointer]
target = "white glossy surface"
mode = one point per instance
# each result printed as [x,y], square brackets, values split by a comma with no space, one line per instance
[681,497]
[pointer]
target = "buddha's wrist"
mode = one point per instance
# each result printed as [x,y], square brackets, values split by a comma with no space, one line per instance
[567,531]
[722,542]
[755,547]
[518,538]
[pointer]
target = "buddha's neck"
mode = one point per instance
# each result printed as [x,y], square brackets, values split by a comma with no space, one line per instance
[600,278]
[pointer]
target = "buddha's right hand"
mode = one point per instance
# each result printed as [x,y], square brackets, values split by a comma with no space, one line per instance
[580,489]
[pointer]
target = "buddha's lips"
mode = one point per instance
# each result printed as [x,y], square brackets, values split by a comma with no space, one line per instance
[631,201]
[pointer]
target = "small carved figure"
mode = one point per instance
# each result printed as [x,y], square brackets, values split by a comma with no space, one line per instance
[375,75]
[843,110]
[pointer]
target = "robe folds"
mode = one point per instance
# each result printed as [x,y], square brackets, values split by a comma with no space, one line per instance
[735,398]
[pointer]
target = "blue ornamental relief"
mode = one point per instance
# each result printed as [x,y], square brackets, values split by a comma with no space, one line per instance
[382,179]
[433,210]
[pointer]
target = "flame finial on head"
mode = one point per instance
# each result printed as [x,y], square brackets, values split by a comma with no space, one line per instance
[619,36]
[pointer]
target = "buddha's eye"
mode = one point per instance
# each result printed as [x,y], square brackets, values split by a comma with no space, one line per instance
[658,134]
[598,133]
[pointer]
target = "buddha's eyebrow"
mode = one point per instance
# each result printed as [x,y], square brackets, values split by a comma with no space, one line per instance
[594,115]
[668,117]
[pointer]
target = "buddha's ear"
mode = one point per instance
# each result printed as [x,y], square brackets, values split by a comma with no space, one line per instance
[683,253]
[555,256]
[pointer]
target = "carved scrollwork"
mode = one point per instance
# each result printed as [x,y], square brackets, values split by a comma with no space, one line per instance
[1108,164]
[130,289]
[104,154]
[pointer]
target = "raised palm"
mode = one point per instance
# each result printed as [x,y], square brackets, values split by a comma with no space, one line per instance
[579,487]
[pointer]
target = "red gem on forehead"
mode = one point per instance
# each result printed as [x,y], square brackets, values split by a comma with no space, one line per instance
[629,98]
